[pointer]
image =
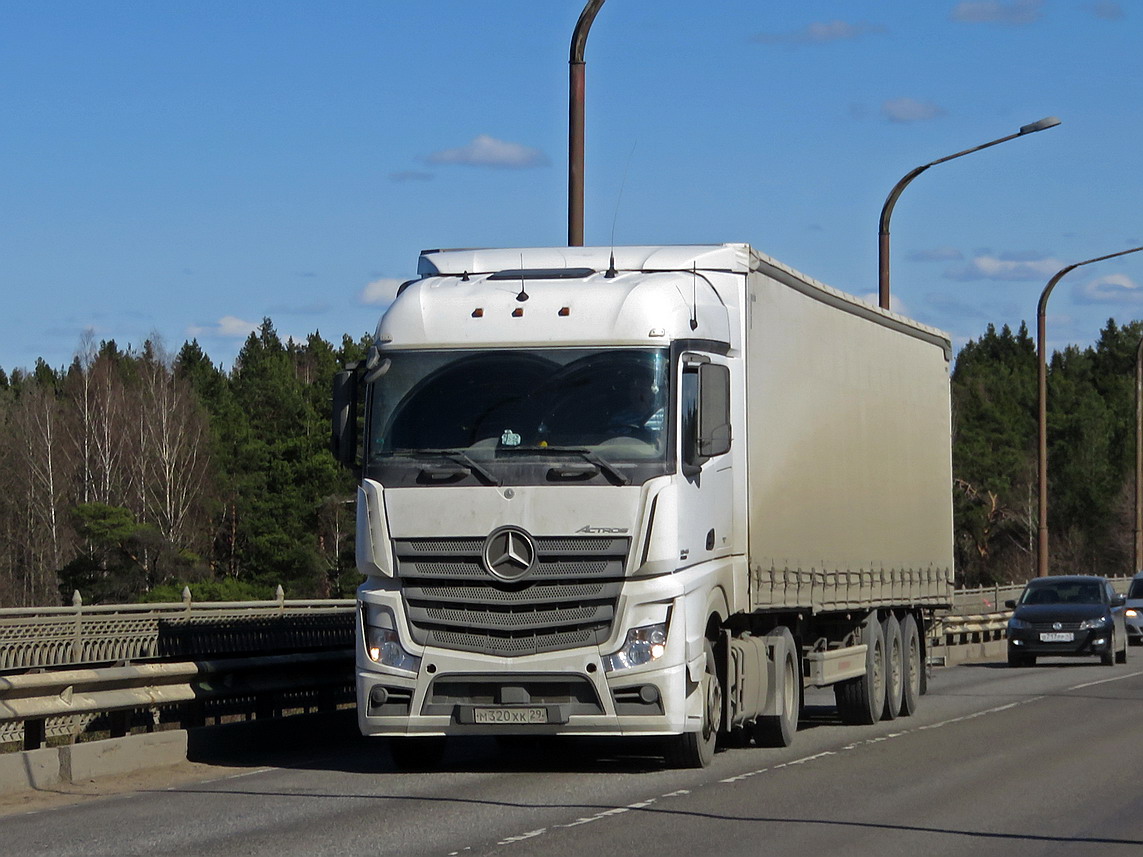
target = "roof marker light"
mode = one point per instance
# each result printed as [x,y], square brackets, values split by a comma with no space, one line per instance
[478,312]
[565,311]
[518,312]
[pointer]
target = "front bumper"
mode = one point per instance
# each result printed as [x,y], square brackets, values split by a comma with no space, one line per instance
[567,693]
[1084,643]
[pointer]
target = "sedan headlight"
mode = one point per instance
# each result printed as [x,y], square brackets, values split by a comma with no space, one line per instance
[1132,612]
[382,642]
[1094,624]
[1015,624]
[642,646]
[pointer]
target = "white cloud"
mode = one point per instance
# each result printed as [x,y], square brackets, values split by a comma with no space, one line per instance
[1112,288]
[936,254]
[229,327]
[410,176]
[910,110]
[485,151]
[1007,267]
[819,32]
[1107,10]
[380,291]
[895,304]
[1016,12]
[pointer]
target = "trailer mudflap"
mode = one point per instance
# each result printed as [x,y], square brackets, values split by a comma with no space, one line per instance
[830,667]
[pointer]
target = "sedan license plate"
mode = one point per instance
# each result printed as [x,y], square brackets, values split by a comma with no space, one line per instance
[1057,637]
[510,715]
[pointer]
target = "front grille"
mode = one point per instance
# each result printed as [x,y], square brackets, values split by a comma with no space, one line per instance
[1051,626]
[568,600]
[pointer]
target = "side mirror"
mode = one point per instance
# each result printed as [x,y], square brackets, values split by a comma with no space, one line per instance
[714,410]
[1010,604]
[1119,601]
[343,437]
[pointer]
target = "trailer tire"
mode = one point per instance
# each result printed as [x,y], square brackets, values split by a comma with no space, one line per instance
[913,666]
[860,700]
[777,730]
[417,753]
[696,749]
[894,667]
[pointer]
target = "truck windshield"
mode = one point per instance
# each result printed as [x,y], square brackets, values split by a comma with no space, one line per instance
[511,406]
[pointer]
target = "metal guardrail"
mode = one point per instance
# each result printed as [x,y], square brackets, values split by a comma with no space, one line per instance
[52,637]
[41,705]
[189,663]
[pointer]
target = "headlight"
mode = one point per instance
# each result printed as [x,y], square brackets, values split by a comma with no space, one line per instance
[383,644]
[1091,624]
[1015,624]
[1132,612]
[642,646]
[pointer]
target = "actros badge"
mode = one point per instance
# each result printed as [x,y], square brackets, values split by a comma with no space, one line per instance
[509,553]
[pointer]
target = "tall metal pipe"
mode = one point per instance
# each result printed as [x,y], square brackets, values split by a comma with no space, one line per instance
[577,81]
[1042,405]
[1138,566]
[891,200]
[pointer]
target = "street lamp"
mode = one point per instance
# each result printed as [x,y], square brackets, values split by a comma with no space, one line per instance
[576,121]
[1138,458]
[887,209]
[1042,410]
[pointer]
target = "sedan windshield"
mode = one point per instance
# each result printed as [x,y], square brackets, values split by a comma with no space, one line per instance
[485,408]
[1063,592]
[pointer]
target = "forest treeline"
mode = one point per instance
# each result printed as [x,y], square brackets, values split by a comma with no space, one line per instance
[132,474]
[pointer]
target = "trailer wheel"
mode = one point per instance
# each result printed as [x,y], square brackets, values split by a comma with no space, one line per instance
[894,667]
[777,730]
[911,652]
[696,749]
[417,753]
[860,700]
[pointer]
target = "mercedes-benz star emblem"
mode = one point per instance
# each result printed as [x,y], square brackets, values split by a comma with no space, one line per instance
[509,553]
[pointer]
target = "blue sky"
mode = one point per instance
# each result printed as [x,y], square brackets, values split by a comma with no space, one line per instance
[183,169]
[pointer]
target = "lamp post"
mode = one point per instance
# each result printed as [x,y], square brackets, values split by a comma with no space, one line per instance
[576,86]
[1138,458]
[891,200]
[1042,405]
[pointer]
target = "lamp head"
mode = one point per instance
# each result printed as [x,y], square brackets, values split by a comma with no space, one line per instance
[1046,122]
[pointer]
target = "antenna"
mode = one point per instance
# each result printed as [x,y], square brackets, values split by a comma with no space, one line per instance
[694,296]
[611,272]
[523,296]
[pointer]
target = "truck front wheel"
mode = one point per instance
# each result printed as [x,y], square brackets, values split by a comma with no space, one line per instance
[777,730]
[696,749]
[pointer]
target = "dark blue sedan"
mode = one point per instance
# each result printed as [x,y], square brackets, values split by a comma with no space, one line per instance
[1070,616]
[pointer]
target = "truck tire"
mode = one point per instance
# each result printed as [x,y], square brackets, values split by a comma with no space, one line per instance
[777,730]
[417,753]
[860,700]
[894,667]
[913,666]
[696,749]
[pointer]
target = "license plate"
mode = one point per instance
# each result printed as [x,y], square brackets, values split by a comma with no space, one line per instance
[510,715]
[1057,637]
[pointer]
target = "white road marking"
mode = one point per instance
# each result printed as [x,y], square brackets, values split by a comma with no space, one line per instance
[1105,681]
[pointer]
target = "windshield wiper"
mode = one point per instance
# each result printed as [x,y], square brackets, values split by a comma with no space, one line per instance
[613,474]
[459,457]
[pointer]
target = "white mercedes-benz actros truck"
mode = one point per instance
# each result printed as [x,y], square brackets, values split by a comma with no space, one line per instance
[641,491]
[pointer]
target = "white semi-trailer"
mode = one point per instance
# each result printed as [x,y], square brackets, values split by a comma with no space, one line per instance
[641,491]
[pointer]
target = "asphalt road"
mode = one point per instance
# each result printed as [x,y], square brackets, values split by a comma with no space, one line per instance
[1036,761]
